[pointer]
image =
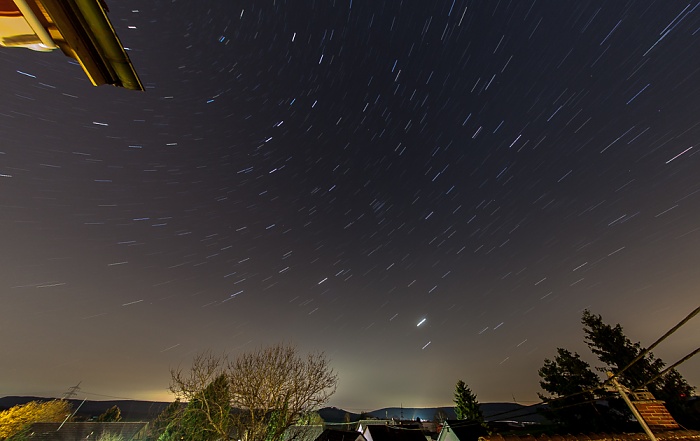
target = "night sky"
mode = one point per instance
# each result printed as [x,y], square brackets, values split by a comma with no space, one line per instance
[427,191]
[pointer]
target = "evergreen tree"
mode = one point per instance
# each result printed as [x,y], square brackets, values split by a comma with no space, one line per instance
[567,379]
[466,404]
[613,348]
[568,374]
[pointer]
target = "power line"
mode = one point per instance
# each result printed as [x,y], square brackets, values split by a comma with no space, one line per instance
[643,353]
[110,396]
[662,373]
[72,391]
[639,356]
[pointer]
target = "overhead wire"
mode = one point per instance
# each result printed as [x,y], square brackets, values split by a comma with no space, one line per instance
[639,356]
[663,372]
[602,385]
[644,352]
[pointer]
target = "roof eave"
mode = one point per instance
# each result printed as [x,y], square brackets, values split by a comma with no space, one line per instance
[91,39]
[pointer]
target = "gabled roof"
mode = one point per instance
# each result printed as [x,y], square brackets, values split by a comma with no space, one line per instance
[86,431]
[80,28]
[463,430]
[362,424]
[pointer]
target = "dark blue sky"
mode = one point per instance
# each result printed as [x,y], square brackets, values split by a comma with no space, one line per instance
[332,173]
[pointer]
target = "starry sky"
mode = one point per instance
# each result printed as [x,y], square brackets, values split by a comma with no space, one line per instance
[426,191]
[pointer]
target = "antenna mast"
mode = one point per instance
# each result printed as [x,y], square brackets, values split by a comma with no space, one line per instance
[72,391]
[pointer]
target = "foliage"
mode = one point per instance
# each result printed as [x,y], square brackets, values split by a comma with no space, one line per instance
[466,404]
[207,415]
[613,348]
[676,392]
[567,374]
[440,415]
[164,420]
[280,381]
[310,419]
[111,415]
[17,418]
[109,436]
[569,380]
[364,415]
[258,395]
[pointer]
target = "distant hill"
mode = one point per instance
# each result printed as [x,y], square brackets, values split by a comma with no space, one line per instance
[131,410]
[491,411]
[411,413]
[335,415]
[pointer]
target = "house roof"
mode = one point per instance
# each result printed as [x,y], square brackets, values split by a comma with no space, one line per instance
[373,422]
[88,430]
[319,433]
[80,28]
[394,433]
[340,435]
[302,433]
[672,435]
[464,430]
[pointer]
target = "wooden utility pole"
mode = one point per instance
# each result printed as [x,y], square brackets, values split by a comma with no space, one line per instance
[634,410]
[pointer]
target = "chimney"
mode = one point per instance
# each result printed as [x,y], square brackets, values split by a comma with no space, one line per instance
[654,412]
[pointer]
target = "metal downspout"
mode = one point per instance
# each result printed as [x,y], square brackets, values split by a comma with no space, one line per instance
[35,24]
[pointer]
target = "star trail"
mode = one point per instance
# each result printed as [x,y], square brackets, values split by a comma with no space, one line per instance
[427,191]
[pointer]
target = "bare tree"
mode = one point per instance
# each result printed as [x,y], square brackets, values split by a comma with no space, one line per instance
[205,388]
[269,390]
[275,386]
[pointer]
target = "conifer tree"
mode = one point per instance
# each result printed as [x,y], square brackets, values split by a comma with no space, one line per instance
[612,347]
[568,379]
[568,374]
[466,404]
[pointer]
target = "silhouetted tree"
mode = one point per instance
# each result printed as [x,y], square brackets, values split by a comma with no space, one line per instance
[440,415]
[567,376]
[568,379]
[111,415]
[612,347]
